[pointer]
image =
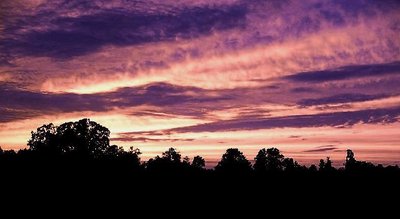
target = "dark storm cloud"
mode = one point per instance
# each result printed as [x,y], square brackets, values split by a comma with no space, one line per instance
[347,72]
[64,37]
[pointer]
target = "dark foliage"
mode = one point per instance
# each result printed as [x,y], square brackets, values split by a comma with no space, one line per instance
[233,162]
[79,150]
[84,138]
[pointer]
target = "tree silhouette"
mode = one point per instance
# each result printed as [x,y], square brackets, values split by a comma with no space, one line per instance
[186,160]
[274,160]
[290,165]
[321,164]
[326,166]
[313,168]
[169,162]
[350,160]
[83,138]
[233,161]
[260,165]
[81,148]
[171,155]
[198,162]
[352,165]
[130,157]
[114,151]
[270,160]
[44,140]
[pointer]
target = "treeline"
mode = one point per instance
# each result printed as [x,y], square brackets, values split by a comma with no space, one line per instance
[83,147]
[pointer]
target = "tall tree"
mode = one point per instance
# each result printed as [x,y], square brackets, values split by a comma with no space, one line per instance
[274,160]
[269,159]
[198,162]
[326,166]
[260,164]
[172,155]
[233,161]
[350,160]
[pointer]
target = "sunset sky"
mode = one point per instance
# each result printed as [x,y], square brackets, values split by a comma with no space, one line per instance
[311,77]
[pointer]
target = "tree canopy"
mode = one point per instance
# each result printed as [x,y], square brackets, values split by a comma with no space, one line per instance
[233,161]
[83,138]
[88,141]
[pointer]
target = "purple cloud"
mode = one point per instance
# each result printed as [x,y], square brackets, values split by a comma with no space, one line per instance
[66,37]
[323,148]
[174,99]
[347,72]
[341,98]
[127,138]
[336,119]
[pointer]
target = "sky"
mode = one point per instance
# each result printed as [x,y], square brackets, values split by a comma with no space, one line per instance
[312,78]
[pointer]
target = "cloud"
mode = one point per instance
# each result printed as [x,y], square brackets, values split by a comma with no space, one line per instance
[144,139]
[347,72]
[9,115]
[324,148]
[341,98]
[335,119]
[303,90]
[69,36]
[167,100]
[148,67]
[210,44]
[161,95]
[294,136]
[14,98]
